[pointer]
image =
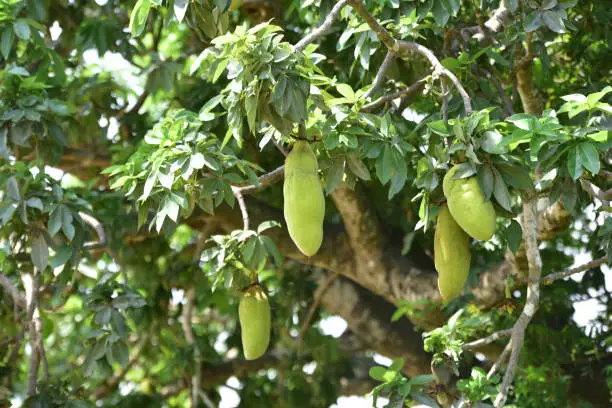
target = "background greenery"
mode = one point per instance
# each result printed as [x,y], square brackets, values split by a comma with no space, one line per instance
[124,250]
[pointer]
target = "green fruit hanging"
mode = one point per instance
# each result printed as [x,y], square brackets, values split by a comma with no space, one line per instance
[468,206]
[254,316]
[304,201]
[451,255]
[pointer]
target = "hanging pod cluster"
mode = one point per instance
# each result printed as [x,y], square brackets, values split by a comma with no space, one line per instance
[304,202]
[467,213]
[255,322]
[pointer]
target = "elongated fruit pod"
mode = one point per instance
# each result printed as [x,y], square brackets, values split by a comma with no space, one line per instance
[452,255]
[468,206]
[304,202]
[254,315]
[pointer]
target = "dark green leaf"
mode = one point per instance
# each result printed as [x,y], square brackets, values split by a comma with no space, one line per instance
[40,252]
[500,191]
[12,189]
[486,180]
[358,167]
[119,353]
[6,42]
[589,157]
[62,255]
[334,175]
[180,8]
[103,316]
[67,226]
[118,324]
[574,163]
[516,176]
[514,235]
[22,29]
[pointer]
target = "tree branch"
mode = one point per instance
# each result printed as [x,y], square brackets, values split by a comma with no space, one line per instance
[550,278]
[98,227]
[500,360]
[380,76]
[417,86]
[265,181]
[243,207]
[323,286]
[405,46]
[533,297]
[487,340]
[323,28]
[31,285]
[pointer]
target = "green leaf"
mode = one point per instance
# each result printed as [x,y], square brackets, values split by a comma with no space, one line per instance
[6,42]
[40,252]
[103,316]
[422,379]
[266,225]
[118,324]
[358,168]
[55,222]
[491,142]
[589,157]
[486,180]
[514,235]
[554,21]
[119,353]
[397,183]
[67,226]
[22,29]
[334,175]
[12,189]
[62,255]
[272,249]
[516,176]
[574,163]
[500,191]
[138,18]
[378,373]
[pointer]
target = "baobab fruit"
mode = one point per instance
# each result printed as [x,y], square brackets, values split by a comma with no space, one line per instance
[304,202]
[451,254]
[468,205]
[254,316]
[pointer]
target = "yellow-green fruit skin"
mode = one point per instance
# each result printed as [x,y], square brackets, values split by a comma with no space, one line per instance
[235,5]
[254,315]
[468,206]
[452,255]
[304,202]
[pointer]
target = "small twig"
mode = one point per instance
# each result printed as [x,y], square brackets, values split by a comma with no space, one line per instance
[487,340]
[549,279]
[595,192]
[113,383]
[500,360]
[266,180]
[324,27]
[406,46]
[391,97]
[243,207]
[313,308]
[15,293]
[380,76]
[605,173]
[98,227]
[533,297]
[281,149]
[444,103]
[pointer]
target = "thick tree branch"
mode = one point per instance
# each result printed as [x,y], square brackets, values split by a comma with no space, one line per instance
[31,285]
[533,298]
[500,360]
[323,28]
[493,25]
